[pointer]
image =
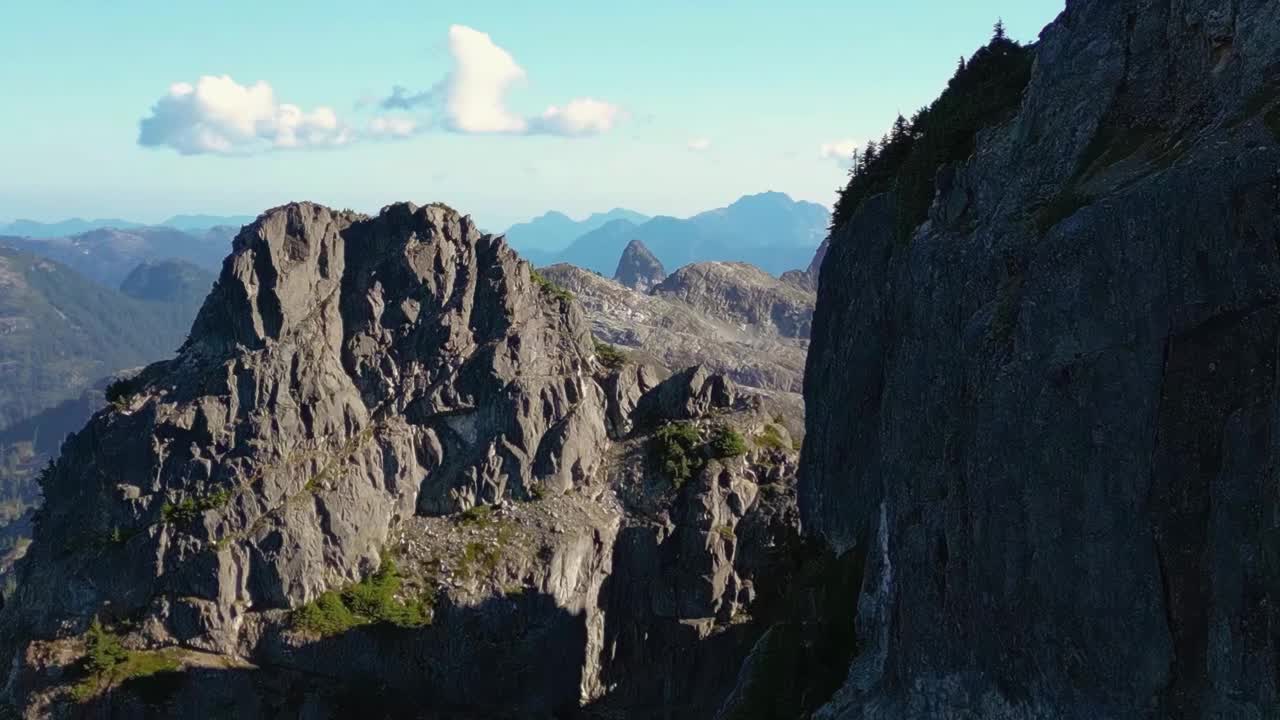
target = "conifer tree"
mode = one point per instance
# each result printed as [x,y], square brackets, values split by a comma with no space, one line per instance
[998,34]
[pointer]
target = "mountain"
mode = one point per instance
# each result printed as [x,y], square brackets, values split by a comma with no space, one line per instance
[63,228]
[638,268]
[554,231]
[768,230]
[61,332]
[108,255]
[734,319]
[204,222]
[1042,385]
[391,472]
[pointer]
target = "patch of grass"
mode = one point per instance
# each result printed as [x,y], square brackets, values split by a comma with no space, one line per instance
[610,356]
[726,532]
[548,287]
[109,663]
[188,510]
[727,443]
[375,599]
[476,515]
[479,559]
[770,438]
[675,449]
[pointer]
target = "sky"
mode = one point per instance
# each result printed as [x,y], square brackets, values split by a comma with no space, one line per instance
[504,110]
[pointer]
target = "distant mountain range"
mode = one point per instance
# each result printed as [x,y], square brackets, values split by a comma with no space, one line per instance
[108,255]
[76,226]
[59,331]
[553,232]
[769,230]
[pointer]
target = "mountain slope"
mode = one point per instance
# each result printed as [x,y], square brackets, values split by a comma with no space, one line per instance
[1043,419]
[554,231]
[108,255]
[63,228]
[768,230]
[61,332]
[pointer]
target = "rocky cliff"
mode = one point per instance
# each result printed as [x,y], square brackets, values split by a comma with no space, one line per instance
[1044,419]
[731,317]
[387,473]
[638,268]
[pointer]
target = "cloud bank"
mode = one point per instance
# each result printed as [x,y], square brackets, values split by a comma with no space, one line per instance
[217,115]
[699,144]
[472,98]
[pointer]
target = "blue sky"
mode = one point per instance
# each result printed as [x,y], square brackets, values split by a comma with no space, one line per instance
[662,106]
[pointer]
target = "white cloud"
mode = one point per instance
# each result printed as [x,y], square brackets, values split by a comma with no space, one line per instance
[583,116]
[217,115]
[699,144]
[392,126]
[840,150]
[472,98]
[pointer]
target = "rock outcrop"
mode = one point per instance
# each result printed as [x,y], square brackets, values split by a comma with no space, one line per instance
[388,472]
[732,318]
[638,268]
[1045,420]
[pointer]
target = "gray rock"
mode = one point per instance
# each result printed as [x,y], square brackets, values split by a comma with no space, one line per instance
[709,315]
[638,268]
[1044,422]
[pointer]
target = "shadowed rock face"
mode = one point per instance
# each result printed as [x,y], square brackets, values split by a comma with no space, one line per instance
[638,268]
[348,386]
[1048,421]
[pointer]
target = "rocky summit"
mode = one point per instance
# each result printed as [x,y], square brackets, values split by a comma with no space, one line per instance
[638,268]
[389,472]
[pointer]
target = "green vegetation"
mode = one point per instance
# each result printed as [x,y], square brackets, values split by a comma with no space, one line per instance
[984,91]
[548,287]
[121,391]
[610,356]
[770,438]
[476,515]
[108,662]
[675,447]
[726,532]
[189,509]
[372,600]
[479,559]
[727,443]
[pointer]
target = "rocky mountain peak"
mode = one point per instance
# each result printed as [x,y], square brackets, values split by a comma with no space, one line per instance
[742,293]
[638,268]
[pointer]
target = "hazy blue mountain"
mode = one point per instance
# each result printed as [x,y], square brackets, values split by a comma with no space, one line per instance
[555,231]
[62,228]
[60,331]
[204,222]
[108,255]
[769,230]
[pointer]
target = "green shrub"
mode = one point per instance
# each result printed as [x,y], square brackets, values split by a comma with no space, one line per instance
[675,448]
[189,509]
[108,662]
[770,438]
[610,356]
[372,600]
[727,443]
[121,391]
[548,287]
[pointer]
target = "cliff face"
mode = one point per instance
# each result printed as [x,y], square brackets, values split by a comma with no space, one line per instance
[1046,422]
[387,459]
